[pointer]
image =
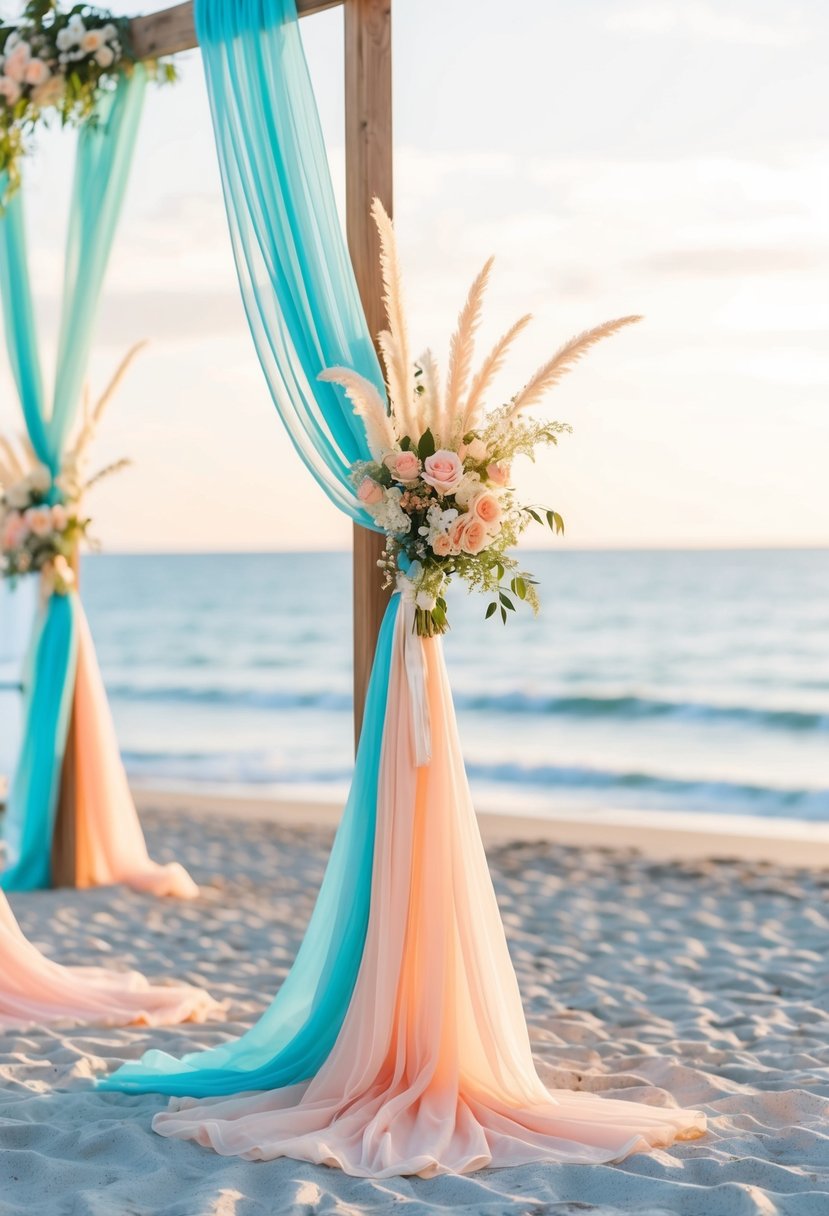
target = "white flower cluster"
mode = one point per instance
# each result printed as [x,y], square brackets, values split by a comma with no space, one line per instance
[438,523]
[389,514]
[75,42]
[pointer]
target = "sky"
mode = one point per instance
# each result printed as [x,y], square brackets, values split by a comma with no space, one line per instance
[665,157]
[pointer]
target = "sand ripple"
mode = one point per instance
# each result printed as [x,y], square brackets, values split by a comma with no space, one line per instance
[706,982]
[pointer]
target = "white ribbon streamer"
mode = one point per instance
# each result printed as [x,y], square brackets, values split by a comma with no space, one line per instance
[415,663]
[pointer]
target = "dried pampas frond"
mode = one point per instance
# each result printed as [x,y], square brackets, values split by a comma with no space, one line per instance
[12,469]
[394,342]
[92,417]
[564,360]
[462,348]
[108,471]
[430,402]
[368,405]
[490,368]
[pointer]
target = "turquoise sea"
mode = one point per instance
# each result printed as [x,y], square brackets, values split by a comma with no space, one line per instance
[693,681]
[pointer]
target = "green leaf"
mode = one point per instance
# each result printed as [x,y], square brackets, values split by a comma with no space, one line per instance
[506,601]
[504,615]
[426,447]
[519,587]
[559,522]
[493,607]
[500,571]
[535,515]
[405,444]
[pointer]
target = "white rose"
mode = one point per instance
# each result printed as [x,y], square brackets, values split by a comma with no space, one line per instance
[468,488]
[17,496]
[109,32]
[40,479]
[76,26]
[64,40]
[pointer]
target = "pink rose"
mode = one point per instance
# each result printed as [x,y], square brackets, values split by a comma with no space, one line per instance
[498,473]
[60,517]
[487,508]
[370,491]
[15,531]
[441,545]
[39,520]
[443,471]
[404,466]
[37,73]
[17,62]
[10,90]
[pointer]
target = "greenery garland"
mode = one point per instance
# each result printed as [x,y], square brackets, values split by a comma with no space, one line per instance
[57,62]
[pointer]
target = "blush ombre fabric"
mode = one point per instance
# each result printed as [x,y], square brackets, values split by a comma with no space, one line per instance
[110,843]
[432,1071]
[37,992]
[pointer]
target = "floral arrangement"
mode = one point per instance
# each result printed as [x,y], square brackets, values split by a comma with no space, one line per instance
[42,521]
[57,62]
[439,483]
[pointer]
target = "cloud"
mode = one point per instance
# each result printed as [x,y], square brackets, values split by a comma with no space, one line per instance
[728,262]
[730,23]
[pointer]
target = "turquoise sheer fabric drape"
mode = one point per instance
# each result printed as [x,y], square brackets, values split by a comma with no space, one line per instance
[294,270]
[294,1036]
[104,156]
[304,310]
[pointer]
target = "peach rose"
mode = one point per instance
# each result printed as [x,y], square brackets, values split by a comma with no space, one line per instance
[475,536]
[456,533]
[403,466]
[92,41]
[370,492]
[443,471]
[15,531]
[498,473]
[10,90]
[442,545]
[488,509]
[39,520]
[17,62]
[37,73]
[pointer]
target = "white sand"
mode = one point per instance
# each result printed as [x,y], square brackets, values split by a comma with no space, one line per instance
[708,981]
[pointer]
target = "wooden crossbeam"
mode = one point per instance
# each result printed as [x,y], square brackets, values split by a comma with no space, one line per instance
[173,29]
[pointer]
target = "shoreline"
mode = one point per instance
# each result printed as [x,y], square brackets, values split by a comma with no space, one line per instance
[656,836]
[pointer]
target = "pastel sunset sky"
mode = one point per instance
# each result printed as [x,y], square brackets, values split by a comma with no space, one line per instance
[667,157]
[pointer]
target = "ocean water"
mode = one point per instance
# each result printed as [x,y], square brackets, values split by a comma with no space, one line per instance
[693,681]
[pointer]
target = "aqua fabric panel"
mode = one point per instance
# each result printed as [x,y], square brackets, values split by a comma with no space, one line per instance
[49,687]
[293,1038]
[104,156]
[295,274]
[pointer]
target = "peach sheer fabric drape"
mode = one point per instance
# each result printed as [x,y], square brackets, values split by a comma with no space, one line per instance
[110,843]
[432,1071]
[37,992]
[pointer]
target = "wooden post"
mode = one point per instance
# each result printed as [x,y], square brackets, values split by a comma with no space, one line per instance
[368,170]
[65,835]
